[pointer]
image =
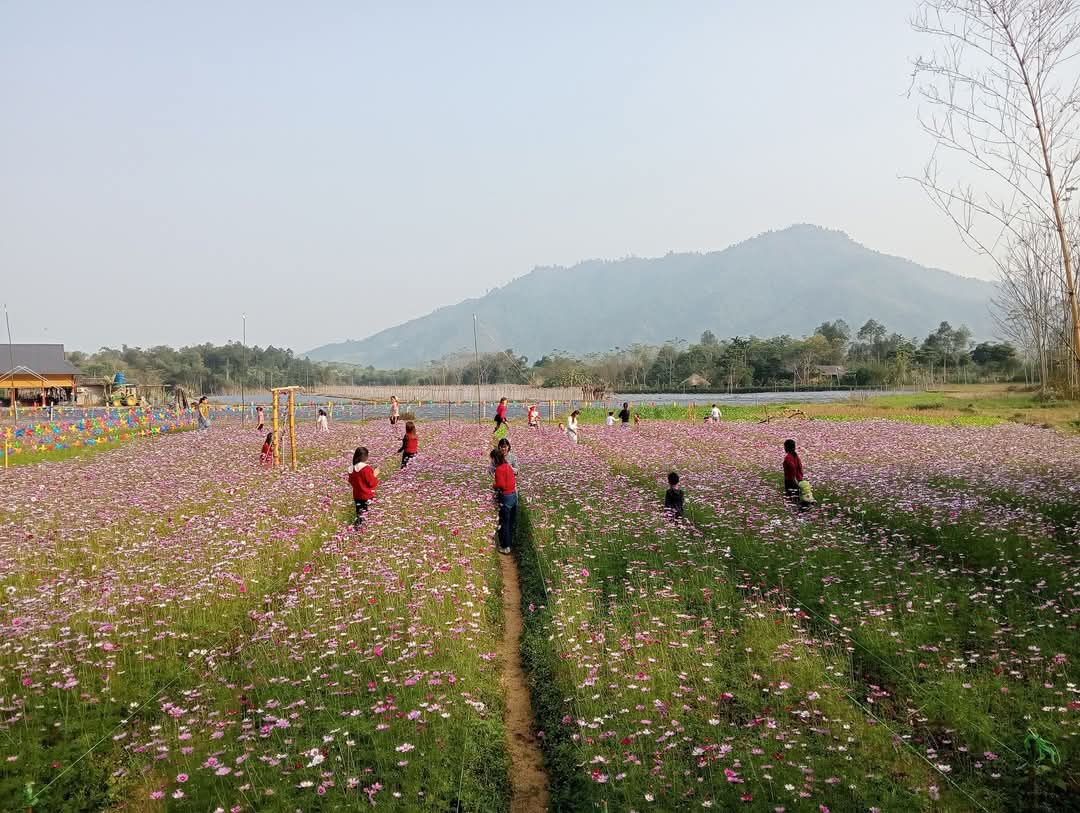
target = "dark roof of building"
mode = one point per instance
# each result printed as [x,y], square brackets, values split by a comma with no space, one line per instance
[39,358]
[831,369]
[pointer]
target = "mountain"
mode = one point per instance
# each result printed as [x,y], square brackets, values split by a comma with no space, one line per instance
[780,282]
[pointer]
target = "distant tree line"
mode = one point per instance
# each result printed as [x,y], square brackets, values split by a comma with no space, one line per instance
[834,355]
[208,368]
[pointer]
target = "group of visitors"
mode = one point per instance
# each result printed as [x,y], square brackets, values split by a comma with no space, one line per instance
[504,467]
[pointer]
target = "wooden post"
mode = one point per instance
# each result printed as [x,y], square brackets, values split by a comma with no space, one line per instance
[292,429]
[275,450]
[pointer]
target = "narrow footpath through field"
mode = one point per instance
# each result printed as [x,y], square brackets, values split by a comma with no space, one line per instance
[528,778]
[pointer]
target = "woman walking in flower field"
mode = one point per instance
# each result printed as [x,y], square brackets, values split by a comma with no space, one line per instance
[505,487]
[572,426]
[501,425]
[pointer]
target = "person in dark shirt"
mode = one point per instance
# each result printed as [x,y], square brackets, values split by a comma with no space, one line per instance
[793,472]
[673,498]
[624,414]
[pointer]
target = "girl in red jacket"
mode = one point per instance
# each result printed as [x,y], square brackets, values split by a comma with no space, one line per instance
[364,480]
[505,487]
[409,444]
[266,456]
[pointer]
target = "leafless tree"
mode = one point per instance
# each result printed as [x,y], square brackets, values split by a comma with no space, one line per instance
[1002,92]
[1027,306]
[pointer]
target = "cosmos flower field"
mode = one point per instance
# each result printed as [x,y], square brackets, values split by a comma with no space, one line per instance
[183,629]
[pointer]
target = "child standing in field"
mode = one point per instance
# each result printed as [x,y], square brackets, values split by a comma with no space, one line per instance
[266,456]
[505,487]
[409,444]
[364,480]
[714,414]
[203,408]
[534,416]
[321,424]
[394,410]
[793,472]
[624,414]
[610,422]
[674,499]
[259,418]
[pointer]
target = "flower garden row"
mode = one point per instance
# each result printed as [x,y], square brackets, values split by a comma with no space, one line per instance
[219,637]
[924,618]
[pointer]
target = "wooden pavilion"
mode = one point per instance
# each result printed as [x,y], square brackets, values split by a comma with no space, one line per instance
[41,369]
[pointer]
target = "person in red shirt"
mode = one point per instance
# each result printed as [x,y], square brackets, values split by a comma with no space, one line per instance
[793,473]
[505,488]
[266,456]
[364,479]
[409,444]
[500,414]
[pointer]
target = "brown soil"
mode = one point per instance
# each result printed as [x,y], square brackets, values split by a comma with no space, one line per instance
[528,779]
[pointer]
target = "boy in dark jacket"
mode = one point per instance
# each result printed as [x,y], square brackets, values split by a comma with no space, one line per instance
[674,497]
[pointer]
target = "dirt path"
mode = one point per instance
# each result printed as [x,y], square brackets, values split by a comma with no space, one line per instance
[528,779]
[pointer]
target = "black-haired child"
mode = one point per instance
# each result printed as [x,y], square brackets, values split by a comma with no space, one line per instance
[409,444]
[266,456]
[795,491]
[674,498]
[364,479]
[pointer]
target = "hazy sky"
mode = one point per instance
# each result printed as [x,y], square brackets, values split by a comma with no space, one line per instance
[334,168]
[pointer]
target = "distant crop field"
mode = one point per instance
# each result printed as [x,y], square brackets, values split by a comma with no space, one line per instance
[185,629]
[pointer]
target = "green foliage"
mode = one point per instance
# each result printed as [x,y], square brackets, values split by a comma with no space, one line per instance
[223,368]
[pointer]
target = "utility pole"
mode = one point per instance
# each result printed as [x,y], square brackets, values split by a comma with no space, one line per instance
[243,340]
[11,358]
[476,353]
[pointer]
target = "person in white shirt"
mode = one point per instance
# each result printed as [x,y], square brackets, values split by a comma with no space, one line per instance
[321,424]
[571,426]
[610,419]
[714,414]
